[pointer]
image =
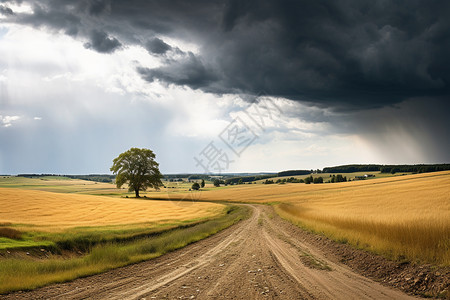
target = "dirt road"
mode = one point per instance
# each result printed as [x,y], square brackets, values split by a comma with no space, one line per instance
[259,258]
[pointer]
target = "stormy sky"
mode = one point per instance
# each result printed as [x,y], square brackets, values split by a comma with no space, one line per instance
[223,86]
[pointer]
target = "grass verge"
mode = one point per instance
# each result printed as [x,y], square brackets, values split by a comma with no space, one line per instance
[28,273]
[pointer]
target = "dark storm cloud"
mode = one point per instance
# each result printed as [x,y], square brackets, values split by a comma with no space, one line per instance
[97,7]
[346,54]
[157,46]
[101,42]
[339,53]
[189,71]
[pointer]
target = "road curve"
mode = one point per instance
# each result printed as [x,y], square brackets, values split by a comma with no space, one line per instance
[255,259]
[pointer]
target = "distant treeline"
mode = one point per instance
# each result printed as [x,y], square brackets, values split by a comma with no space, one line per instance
[244,179]
[414,168]
[422,168]
[94,177]
[91,177]
[176,177]
[352,168]
[38,175]
[294,173]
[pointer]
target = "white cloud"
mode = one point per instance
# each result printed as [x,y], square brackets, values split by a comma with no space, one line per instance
[18,7]
[7,121]
[66,76]
[34,57]
[37,118]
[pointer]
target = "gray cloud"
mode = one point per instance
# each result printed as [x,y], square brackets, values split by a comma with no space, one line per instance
[98,7]
[157,46]
[189,71]
[4,10]
[53,17]
[102,43]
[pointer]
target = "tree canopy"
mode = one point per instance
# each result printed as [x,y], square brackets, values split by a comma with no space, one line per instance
[138,168]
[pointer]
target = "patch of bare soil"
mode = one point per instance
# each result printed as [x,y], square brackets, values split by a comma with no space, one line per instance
[263,257]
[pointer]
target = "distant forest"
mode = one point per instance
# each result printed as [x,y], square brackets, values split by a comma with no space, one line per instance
[94,177]
[294,173]
[244,179]
[90,177]
[422,168]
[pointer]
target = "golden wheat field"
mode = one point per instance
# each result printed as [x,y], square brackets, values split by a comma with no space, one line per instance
[61,185]
[261,193]
[404,217]
[55,211]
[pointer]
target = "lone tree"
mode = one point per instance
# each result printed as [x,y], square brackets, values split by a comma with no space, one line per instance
[138,168]
[202,184]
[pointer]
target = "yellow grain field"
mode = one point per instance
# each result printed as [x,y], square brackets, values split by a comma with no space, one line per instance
[56,211]
[61,185]
[405,217]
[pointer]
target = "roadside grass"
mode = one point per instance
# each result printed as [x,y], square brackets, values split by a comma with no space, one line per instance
[29,273]
[84,238]
[7,243]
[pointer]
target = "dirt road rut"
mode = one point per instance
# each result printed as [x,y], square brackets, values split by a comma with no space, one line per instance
[255,259]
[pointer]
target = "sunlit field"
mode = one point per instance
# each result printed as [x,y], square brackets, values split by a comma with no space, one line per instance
[52,211]
[405,217]
[76,235]
[61,184]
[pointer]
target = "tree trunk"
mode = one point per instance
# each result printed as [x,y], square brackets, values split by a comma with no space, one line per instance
[137,193]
